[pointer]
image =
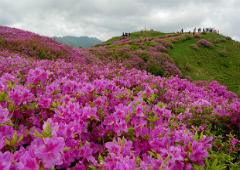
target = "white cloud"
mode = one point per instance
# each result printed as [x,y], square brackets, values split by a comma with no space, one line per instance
[106,18]
[236,38]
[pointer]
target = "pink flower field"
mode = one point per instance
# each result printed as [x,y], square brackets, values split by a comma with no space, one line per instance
[73,111]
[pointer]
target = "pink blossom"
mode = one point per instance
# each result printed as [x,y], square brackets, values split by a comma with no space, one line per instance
[5,160]
[50,151]
[4,115]
[198,152]
[28,162]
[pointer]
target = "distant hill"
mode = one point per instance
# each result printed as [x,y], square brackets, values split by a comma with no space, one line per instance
[83,41]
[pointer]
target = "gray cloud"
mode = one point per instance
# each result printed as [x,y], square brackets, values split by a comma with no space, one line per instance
[106,18]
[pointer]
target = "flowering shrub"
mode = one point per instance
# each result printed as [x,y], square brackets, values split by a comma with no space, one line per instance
[158,40]
[223,39]
[136,62]
[223,53]
[123,38]
[188,78]
[168,44]
[217,40]
[118,42]
[194,46]
[205,43]
[197,36]
[102,44]
[161,48]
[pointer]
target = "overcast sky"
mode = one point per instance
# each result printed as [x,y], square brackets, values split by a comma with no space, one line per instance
[106,18]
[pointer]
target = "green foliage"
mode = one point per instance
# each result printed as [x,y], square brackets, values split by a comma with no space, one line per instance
[134,47]
[188,37]
[223,53]
[228,38]
[146,43]
[144,56]
[155,69]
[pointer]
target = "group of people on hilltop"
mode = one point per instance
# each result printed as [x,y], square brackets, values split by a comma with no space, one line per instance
[126,34]
[211,30]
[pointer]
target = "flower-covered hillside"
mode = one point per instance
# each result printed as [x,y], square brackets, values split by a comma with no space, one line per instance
[15,41]
[58,114]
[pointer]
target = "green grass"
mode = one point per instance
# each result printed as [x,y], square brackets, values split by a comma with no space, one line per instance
[207,64]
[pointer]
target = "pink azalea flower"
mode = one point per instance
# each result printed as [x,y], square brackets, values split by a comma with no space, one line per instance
[51,151]
[3,115]
[175,153]
[1,143]
[44,101]
[112,147]
[27,162]
[5,160]
[139,110]
[16,96]
[198,152]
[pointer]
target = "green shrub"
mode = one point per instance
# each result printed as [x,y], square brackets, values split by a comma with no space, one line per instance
[228,38]
[152,44]
[145,57]
[146,43]
[188,66]
[141,47]
[134,47]
[223,53]
[155,69]
[188,37]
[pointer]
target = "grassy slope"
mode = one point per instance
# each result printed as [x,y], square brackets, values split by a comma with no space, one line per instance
[206,63]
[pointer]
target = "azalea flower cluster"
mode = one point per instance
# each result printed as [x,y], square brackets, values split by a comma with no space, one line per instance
[217,40]
[55,114]
[195,46]
[197,36]
[205,43]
